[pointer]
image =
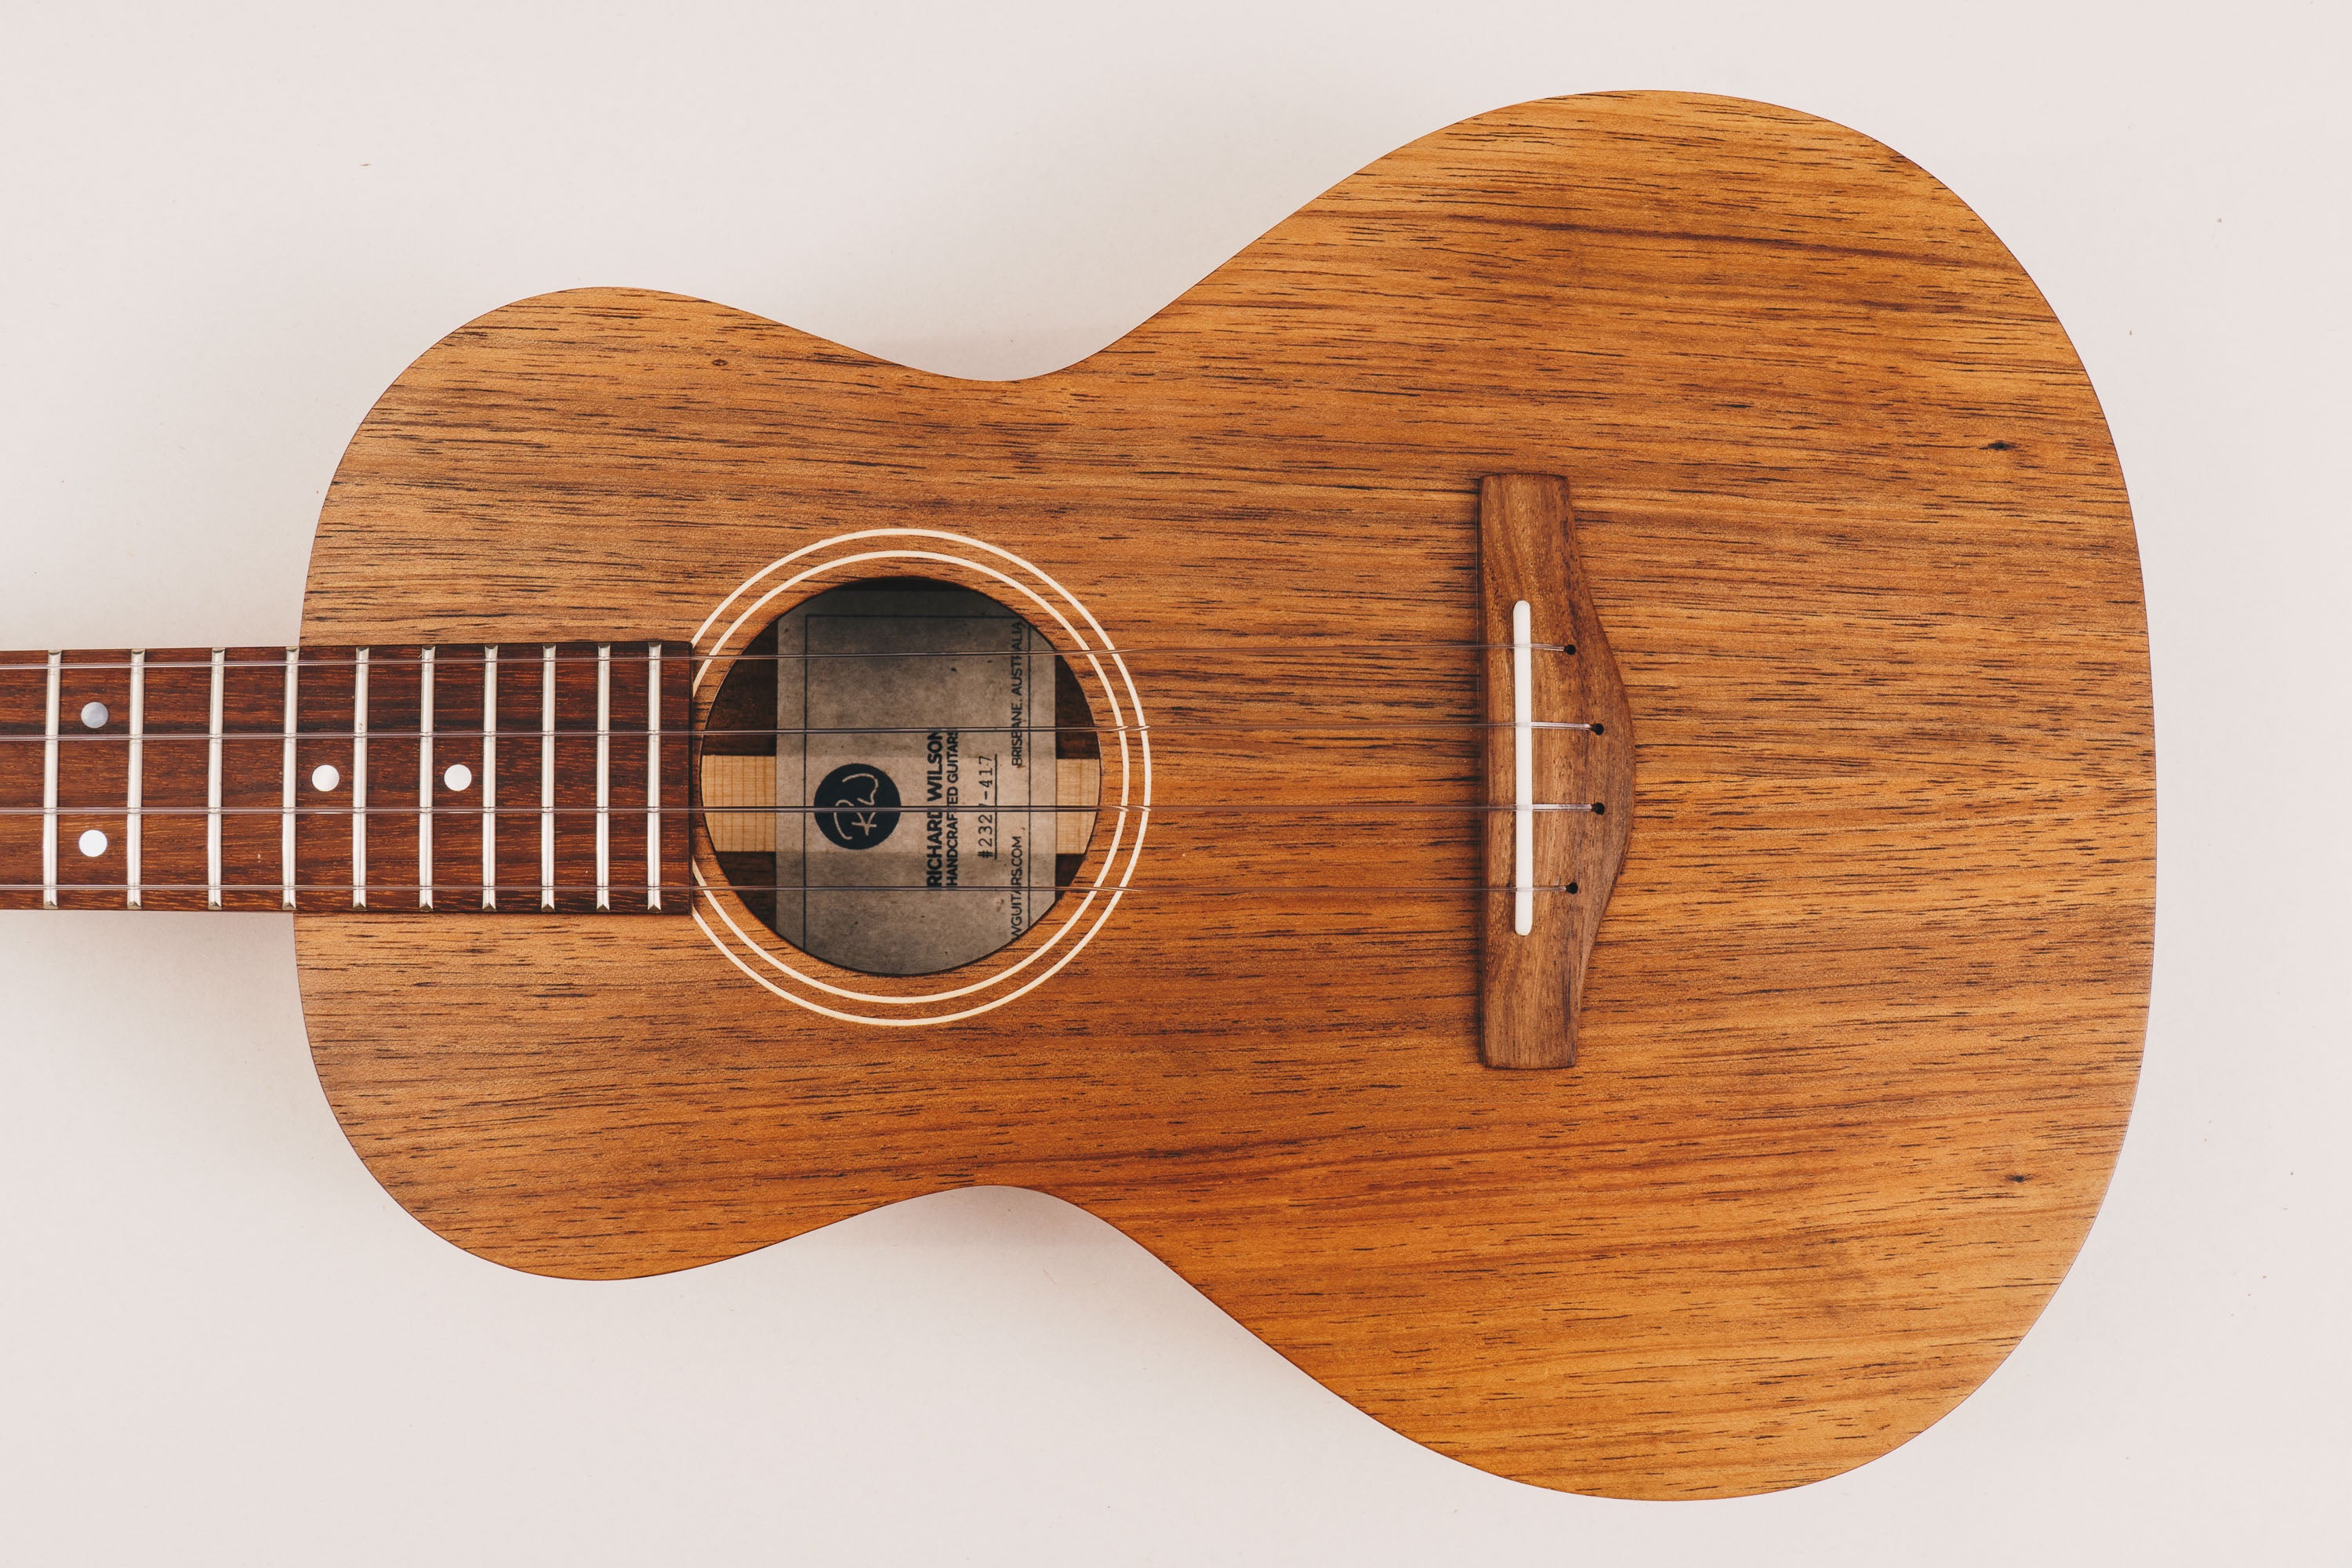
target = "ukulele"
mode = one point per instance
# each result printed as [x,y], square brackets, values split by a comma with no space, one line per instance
[1544,785]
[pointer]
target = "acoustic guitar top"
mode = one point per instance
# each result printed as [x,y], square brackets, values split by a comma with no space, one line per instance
[1544,785]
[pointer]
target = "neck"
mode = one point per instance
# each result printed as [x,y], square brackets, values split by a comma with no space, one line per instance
[516,778]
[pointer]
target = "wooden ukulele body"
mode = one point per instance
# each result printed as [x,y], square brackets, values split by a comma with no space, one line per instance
[1863,1023]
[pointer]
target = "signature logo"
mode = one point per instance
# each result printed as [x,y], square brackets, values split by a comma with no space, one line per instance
[859,806]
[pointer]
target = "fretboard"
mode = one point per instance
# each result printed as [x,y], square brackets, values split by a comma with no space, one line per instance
[453,779]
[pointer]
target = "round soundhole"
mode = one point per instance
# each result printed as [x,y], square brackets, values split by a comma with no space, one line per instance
[899,776]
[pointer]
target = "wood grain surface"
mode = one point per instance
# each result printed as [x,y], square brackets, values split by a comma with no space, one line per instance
[1860,1033]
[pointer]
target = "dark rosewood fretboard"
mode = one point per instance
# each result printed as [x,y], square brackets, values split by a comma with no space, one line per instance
[516,778]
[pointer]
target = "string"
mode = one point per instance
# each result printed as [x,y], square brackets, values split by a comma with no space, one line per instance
[1251,650]
[904,809]
[1166,729]
[522,890]
[529,651]
[463,735]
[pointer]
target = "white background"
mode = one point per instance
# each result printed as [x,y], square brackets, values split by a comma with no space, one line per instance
[224,230]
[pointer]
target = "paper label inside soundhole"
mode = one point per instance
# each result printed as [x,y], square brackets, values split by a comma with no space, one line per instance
[915,775]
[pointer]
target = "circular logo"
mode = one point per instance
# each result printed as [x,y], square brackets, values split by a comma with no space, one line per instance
[860,805]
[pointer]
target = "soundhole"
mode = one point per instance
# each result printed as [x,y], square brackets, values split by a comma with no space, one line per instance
[900,775]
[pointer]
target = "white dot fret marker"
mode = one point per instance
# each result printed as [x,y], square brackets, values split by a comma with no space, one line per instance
[92,842]
[325,777]
[94,716]
[458,779]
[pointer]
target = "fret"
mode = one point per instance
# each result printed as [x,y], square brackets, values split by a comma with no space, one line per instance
[582,793]
[323,745]
[212,786]
[134,782]
[175,740]
[90,782]
[424,782]
[49,785]
[624,799]
[245,756]
[547,778]
[286,871]
[359,776]
[451,845]
[281,779]
[489,780]
[605,775]
[394,805]
[516,866]
[253,778]
[673,704]
[653,775]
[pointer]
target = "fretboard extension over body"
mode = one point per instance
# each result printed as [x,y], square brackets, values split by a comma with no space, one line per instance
[516,778]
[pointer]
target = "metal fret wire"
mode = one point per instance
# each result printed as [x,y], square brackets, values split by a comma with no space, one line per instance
[604,777]
[547,778]
[49,786]
[134,828]
[425,784]
[359,780]
[489,778]
[653,778]
[286,789]
[213,785]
